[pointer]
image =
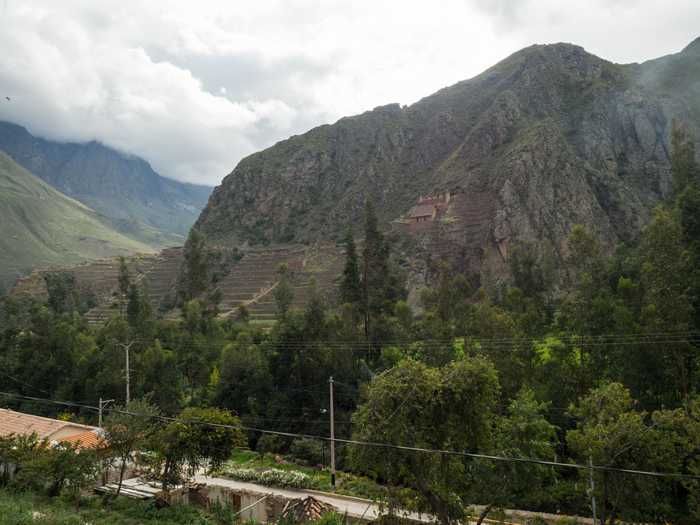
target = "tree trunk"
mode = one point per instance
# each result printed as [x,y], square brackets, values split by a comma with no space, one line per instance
[484,513]
[121,475]
[604,506]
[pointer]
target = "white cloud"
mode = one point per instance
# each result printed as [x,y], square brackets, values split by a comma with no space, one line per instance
[194,86]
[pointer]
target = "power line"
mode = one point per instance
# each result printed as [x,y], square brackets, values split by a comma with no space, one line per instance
[19,381]
[557,464]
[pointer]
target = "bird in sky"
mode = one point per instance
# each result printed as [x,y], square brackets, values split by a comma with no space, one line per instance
[8,98]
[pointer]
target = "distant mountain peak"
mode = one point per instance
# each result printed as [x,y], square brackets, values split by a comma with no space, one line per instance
[549,137]
[116,184]
[693,47]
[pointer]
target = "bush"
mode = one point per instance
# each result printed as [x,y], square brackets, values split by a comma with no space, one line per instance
[309,450]
[272,477]
[271,443]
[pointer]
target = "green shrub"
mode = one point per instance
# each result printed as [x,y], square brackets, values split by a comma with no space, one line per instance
[332,518]
[309,450]
[272,477]
[271,443]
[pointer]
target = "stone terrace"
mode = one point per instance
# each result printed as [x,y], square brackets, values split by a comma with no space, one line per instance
[321,265]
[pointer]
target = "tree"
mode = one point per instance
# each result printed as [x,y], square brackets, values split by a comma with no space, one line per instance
[350,287]
[53,467]
[527,273]
[63,295]
[161,382]
[380,284]
[684,167]
[413,404]
[195,271]
[610,432]
[199,436]
[124,277]
[244,377]
[666,279]
[283,293]
[314,314]
[138,308]
[523,432]
[128,428]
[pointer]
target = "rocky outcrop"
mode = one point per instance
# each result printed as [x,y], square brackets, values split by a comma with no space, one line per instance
[554,135]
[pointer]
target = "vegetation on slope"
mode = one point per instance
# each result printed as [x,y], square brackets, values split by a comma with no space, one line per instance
[605,372]
[41,226]
[31,508]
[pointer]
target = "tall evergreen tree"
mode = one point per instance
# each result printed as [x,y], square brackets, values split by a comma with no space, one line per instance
[283,293]
[195,267]
[374,267]
[684,167]
[380,284]
[124,278]
[350,287]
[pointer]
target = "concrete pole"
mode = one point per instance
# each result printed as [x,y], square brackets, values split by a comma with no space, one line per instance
[330,382]
[591,482]
[128,375]
[127,347]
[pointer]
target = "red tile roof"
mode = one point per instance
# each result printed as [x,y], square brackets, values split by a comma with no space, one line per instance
[87,439]
[21,424]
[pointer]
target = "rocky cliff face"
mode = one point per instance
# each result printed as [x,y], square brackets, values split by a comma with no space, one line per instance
[552,136]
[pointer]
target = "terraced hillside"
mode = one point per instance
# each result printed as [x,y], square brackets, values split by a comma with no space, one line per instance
[98,279]
[161,277]
[249,281]
[254,276]
[317,266]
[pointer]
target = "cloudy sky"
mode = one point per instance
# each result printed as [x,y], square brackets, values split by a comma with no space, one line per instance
[193,86]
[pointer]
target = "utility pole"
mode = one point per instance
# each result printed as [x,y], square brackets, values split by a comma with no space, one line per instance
[127,347]
[591,482]
[330,382]
[103,404]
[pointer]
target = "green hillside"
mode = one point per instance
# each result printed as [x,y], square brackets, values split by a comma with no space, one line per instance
[41,226]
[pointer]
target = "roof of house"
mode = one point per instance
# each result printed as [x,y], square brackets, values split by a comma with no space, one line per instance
[307,509]
[21,424]
[422,210]
[86,439]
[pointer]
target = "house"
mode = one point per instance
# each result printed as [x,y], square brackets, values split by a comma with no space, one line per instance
[428,207]
[422,213]
[52,430]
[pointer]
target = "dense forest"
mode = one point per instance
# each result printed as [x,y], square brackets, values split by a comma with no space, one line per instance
[604,371]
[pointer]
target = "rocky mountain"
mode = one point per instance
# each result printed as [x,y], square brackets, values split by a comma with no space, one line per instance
[550,137]
[42,227]
[141,203]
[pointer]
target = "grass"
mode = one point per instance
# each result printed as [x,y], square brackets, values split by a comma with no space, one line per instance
[29,508]
[320,479]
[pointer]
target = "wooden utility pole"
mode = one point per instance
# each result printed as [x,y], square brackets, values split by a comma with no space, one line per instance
[330,382]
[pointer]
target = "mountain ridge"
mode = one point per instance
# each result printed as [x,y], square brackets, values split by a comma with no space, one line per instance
[42,227]
[552,135]
[118,185]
